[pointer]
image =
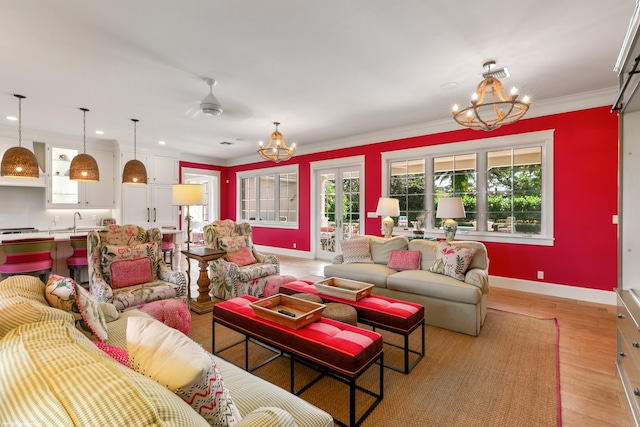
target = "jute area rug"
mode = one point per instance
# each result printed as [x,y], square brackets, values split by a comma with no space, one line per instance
[508,376]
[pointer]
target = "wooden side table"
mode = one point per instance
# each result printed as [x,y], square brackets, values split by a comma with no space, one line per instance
[204,303]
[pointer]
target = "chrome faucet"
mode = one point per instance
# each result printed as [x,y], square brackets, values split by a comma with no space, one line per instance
[52,223]
[74,220]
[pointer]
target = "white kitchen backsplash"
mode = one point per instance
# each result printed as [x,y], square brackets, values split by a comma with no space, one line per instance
[25,207]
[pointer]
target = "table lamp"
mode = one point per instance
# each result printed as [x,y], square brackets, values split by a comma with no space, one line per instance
[387,207]
[449,208]
[188,195]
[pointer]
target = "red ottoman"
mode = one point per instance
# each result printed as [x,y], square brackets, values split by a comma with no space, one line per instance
[171,312]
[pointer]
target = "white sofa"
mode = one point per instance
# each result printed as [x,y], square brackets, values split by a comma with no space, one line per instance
[54,374]
[457,305]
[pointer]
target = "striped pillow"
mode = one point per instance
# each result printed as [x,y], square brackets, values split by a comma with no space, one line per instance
[356,250]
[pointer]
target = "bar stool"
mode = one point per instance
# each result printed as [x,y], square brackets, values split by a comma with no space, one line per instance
[27,256]
[167,247]
[78,260]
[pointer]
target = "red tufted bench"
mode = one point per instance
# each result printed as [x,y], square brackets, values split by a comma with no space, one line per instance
[341,351]
[400,317]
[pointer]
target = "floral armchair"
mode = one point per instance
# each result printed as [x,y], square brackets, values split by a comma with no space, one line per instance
[126,267]
[231,279]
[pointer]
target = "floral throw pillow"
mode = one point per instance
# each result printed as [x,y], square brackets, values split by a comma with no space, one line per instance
[159,352]
[404,260]
[356,250]
[64,293]
[452,261]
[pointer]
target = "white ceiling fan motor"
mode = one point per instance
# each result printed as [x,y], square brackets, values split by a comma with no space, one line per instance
[210,104]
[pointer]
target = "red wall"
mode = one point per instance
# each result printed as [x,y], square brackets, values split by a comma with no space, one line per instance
[585,198]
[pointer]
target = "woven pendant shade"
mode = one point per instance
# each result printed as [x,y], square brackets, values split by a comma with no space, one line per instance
[134,171]
[83,166]
[19,162]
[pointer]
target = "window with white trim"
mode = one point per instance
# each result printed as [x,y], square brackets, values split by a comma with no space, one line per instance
[506,184]
[269,196]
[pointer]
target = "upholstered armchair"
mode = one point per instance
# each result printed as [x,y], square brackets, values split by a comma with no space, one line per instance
[243,271]
[127,269]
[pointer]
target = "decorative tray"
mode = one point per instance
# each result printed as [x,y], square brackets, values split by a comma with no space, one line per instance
[344,288]
[294,313]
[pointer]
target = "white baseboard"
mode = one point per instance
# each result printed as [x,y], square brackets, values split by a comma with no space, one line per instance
[551,289]
[283,251]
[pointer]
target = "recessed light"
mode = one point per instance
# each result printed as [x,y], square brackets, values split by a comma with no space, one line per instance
[161,142]
[100,132]
[12,118]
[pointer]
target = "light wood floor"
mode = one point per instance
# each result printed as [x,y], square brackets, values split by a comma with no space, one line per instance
[591,393]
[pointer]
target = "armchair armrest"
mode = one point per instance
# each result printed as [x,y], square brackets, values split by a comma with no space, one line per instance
[265,259]
[478,277]
[177,277]
[221,273]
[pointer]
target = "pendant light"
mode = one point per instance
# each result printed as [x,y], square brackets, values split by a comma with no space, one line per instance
[276,151]
[83,166]
[134,171]
[19,162]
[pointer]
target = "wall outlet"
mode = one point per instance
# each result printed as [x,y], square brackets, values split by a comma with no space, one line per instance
[540,275]
[294,246]
[93,217]
[614,219]
[56,218]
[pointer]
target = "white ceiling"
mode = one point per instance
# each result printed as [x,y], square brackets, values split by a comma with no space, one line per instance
[327,70]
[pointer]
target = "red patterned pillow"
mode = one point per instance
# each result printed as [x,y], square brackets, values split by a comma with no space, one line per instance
[242,257]
[131,272]
[404,260]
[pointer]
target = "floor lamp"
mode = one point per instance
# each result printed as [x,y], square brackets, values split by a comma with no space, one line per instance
[449,208]
[188,195]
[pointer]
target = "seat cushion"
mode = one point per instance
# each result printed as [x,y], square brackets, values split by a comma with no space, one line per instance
[256,271]
[125,298]
[434,285]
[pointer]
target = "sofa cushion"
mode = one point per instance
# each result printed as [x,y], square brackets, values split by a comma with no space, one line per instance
[242,257]
[268,416]
[131,272]
[404,260]
[452,260]
[356,250]
[375,274]
[381,248]
[434,285]
[22,302]
[51,381]
[158,352]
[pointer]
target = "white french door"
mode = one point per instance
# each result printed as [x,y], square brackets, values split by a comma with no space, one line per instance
[339,203]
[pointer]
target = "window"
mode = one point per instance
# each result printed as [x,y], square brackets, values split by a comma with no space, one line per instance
[506,184]
[269,196]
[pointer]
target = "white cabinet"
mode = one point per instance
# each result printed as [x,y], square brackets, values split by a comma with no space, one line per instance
[64,193]
[148,205]
[160,169]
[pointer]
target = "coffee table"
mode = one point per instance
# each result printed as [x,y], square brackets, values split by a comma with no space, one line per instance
[396,316]
[335,349]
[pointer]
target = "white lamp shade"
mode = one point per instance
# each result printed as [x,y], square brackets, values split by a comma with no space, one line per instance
[450,207]
[188,195]
[388,207]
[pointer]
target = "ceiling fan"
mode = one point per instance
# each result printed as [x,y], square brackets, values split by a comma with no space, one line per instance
[210,104]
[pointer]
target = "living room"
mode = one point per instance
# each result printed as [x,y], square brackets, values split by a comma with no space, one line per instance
[584,192]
